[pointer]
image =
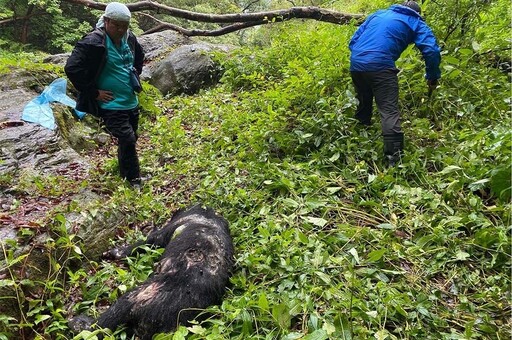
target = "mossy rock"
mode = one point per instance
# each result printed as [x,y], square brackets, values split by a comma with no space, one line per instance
[82,135]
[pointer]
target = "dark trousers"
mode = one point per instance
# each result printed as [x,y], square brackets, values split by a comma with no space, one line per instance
[383,86]
[123,125]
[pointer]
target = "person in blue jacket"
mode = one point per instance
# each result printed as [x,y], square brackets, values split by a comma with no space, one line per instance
[375,47]
[102,68]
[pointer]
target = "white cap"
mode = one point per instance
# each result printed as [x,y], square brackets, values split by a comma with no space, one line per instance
[117,11]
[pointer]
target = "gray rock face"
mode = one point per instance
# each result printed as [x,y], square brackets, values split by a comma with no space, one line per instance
[187,69]
[12,102]
[159,44]
[58,59]
[29,146]
[30,153]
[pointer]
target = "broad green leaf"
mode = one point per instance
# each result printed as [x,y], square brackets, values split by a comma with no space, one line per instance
[197,329]
[423,310]
[376,255]
[263,302]
[451,168]
[7,283]
[319,222]
[315,204]
[302,237]
[88,335]
[501,183]
[180,334]
[383,334]
[462,255]
[319,334]
[324,277]
[329,328]
[400,310]
[290,203]
[41,317]
[281,314]
[372,313]
[77,250]
[386,226]
[293,336]
[354,253]
[333,190]
[480,184]
[335,157]
[450,60]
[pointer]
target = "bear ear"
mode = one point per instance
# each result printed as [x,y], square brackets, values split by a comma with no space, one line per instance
[194,208]
[177,213]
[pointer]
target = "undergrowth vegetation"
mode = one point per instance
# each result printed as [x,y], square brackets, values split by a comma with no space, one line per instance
[329,243]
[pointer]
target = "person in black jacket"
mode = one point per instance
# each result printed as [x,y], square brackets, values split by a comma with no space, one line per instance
[104,68]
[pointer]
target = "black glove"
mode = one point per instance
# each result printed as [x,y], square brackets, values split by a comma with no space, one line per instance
[432,83]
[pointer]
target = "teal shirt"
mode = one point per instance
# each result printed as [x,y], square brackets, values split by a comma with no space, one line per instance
[115,77]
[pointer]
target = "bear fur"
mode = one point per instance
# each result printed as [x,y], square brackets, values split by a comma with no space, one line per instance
[191,275]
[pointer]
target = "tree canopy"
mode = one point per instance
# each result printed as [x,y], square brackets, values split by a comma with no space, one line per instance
[54,25]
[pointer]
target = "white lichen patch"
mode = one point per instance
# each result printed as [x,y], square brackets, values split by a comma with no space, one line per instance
[147,294]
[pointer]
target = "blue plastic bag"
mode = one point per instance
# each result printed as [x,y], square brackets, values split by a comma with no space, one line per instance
[39,111]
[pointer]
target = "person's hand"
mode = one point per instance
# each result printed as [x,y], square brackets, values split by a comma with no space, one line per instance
[105,96]
[432,83]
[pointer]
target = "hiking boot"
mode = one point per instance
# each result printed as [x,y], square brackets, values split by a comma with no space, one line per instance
[136,183]
[393,148]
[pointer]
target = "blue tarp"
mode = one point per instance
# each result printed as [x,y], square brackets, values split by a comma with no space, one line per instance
[39,111]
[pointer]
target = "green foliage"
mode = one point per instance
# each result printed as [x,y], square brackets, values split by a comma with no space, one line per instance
[481,26]
[27,61]
[50,25]
[62,38]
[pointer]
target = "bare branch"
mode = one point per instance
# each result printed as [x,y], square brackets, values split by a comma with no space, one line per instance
[246,8]
[26,17]
[150,17]
[205,33]
[315,13]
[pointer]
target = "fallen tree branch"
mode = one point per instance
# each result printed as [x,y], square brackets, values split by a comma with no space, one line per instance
[315,13]
[204,33]
[237,21]
[162,26]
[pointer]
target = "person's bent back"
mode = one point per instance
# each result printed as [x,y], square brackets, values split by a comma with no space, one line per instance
[375,47]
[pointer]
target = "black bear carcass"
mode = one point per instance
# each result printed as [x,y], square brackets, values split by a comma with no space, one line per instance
[191,275]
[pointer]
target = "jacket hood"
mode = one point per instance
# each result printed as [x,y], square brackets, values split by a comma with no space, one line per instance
[405,10]
[96,37]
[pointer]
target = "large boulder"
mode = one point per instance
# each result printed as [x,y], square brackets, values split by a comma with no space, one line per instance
[187,69]
[176,64]
[157,45]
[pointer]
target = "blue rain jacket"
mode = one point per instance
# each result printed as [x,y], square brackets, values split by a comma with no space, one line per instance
[385,34]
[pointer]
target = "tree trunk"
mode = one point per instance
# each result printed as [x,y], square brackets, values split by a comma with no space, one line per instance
[26,24]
